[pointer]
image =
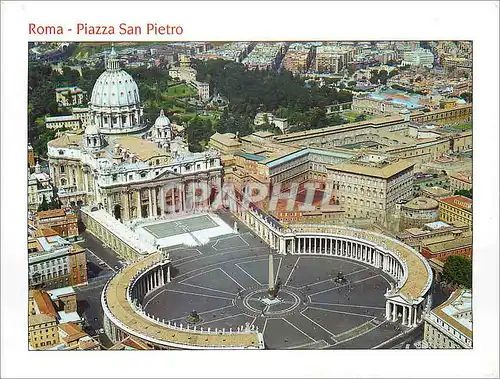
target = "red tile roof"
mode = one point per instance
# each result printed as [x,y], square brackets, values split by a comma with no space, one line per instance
[458,201]
[44,303]
[51,213]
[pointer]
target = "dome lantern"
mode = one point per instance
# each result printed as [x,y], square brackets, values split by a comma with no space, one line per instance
[112,63]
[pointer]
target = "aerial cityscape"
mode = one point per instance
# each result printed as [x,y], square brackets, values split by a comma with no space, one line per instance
[250,195]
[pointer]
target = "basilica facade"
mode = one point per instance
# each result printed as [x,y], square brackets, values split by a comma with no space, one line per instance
[121,164]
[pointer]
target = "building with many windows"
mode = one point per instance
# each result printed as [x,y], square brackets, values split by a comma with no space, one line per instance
[42,331]
[449,326]
[53,262]
[68,96]
[369,189]
[456,209]
[461,181]
[418,57]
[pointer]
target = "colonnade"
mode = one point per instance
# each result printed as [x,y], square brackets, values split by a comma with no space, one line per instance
[411,315]
[356,250]
[155,277]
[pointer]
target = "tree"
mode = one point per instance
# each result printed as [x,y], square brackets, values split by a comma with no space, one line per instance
[458,270]
[466,193]
[467,96]
[44,206]
[55,203]
[361,117]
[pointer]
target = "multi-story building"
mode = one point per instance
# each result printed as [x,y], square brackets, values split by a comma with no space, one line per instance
[42,331]
[59,122]
[327,61]
[54,262]
[69,96]
[448,246]
[188,75]
[39,187]
[434,232]
[265,56]
[298,58]
[456,209]
[225,143]
[263,117]
[461,181]
[63,222]
[449,326]
[368,190]
[418,57]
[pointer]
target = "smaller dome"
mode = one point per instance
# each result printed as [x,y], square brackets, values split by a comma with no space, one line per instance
[162,120]
[91,129]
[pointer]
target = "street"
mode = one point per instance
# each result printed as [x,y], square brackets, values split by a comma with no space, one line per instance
[102,263]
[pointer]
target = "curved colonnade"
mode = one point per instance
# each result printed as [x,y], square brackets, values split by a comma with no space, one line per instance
[121,301]
[406,301]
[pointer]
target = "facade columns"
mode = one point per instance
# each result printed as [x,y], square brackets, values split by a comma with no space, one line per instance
[126,206]
[162,200]
[410,316]
[172,208]
[387,310]
[155,207]
[150,203]
[139,206]
[183,197]
[394,312]
[404,315]
[168,274]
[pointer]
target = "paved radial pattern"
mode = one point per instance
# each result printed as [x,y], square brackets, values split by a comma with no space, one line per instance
[225,282]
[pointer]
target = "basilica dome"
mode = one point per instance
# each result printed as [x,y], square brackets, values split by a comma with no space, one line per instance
[115,88]
[162,120]
[115,104]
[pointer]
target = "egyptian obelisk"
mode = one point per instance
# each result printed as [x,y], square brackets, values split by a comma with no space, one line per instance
[271,277]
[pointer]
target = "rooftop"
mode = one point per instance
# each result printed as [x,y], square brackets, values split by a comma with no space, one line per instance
[421,202]
[228,139]
[143,149]
[50,214]
[384,172]
[71,332]
[130,343]
[64,291]
[457,311]
[461,202]
[121,231]
[450,243]
[44,303]
[251,157]
[40,318]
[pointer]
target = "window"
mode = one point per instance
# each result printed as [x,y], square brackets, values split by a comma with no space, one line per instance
[61,169]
